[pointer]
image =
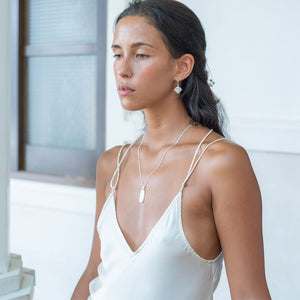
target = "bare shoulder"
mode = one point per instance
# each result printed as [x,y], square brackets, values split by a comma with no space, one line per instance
[225,155]
[109,157]
[107,163]
[230,174]
[219,153]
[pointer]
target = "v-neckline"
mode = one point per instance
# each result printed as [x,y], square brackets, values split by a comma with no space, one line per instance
[154,228]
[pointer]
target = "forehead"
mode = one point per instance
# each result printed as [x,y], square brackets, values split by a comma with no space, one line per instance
[136,28]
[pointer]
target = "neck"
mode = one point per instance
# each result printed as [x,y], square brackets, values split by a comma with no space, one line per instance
[163,126]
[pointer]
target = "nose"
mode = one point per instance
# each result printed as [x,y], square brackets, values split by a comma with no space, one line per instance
[124,67]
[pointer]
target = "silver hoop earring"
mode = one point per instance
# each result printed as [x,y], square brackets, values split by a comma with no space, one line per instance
[178,89]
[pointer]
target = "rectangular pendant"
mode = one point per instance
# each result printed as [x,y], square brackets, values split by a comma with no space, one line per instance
[142,196]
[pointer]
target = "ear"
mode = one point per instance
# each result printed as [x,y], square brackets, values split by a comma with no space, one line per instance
[184,66]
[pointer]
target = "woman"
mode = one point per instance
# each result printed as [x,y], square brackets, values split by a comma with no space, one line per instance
[181,197]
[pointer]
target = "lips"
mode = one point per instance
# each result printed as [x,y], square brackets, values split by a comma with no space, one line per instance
[125,90]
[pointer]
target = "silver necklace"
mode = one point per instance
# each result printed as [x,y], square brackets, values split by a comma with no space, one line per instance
[142,191]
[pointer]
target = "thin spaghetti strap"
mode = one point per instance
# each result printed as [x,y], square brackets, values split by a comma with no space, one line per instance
[117,170]
[197,149]
[194,164]
[119,162]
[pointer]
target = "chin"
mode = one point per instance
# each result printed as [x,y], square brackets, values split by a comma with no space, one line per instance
[130,105]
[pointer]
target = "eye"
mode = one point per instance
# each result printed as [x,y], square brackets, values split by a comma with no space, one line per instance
[142,56]
[116,55]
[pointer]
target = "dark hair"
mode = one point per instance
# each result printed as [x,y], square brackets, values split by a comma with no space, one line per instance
[183,33]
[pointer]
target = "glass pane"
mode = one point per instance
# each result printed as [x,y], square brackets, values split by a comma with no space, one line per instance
[61,21]
[61,102]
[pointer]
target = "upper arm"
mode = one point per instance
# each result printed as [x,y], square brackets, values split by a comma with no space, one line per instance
[237,211]
[105,167]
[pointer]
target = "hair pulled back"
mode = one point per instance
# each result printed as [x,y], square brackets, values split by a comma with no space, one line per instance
[183,33]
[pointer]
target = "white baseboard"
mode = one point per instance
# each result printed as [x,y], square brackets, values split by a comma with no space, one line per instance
[53,196]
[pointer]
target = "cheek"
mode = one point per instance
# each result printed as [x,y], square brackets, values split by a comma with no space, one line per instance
[115,68]
[154,77]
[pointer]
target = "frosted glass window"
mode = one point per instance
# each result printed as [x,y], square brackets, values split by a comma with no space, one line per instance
[61,102]
[61,22]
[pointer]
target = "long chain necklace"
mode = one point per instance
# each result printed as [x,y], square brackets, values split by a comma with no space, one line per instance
[142,191]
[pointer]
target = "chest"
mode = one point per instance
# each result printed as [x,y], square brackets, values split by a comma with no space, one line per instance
[136,220]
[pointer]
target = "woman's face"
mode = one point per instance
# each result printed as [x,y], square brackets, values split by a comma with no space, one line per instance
[143,67]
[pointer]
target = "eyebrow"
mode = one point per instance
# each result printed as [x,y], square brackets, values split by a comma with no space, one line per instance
[135,45]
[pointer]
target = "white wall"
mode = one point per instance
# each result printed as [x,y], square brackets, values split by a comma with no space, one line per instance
[253,54]
[52,228]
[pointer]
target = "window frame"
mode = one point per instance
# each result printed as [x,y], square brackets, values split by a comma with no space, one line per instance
[61,162]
